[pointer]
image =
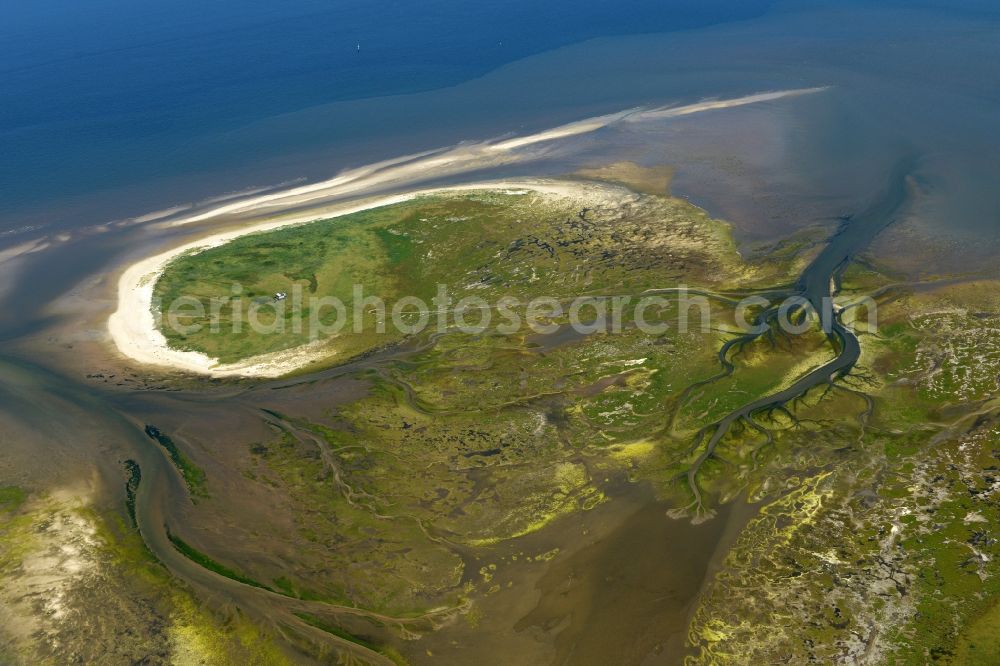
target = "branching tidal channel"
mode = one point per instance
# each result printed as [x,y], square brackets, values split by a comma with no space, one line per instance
[813,291]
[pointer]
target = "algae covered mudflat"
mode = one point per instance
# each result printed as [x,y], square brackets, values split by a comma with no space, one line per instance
[885,544]
[412,497]
[821,490]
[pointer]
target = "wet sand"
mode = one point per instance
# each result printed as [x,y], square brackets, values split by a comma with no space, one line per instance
[628,597]
[619,590]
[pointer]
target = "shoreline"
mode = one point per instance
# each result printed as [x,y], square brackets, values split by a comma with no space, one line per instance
[132,327]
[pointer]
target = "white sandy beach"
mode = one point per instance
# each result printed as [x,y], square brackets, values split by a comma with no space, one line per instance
[133,326]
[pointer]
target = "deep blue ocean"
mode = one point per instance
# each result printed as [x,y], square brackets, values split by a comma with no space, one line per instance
[90,91]
[111,108]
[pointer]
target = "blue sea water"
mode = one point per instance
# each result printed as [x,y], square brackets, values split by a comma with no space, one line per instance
[102,94]
[113,108]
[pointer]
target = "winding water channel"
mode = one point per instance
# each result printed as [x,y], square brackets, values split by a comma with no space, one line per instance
[814,290]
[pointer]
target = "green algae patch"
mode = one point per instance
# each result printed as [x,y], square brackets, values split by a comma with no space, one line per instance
[564,488]
[319,623]
[16,534]
[207,562]
[979,644]
[131,487]
[194,476]
[12,497]
[386,651]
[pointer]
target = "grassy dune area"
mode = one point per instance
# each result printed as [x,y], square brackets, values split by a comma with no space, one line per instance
[484,244]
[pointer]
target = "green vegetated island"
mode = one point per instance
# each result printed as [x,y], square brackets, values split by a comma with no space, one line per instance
[877,491]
